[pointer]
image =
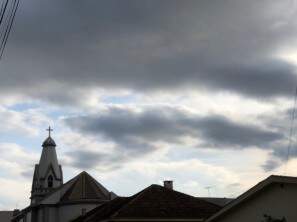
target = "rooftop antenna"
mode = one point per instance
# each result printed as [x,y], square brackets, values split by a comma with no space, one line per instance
[293,115]
[208,188]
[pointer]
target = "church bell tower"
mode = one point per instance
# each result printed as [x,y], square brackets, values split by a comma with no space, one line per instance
[48,173]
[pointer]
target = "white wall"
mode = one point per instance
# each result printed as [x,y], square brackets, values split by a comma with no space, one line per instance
[274,200]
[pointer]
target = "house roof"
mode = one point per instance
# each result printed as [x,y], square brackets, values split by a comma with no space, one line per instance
[218,201]
[5,216]
[83,187]
[86,187]
[105,210]
[154,202]
[251,193]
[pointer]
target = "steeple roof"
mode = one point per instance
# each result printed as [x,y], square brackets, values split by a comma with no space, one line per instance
[49,142]
[49,159]
[48,174]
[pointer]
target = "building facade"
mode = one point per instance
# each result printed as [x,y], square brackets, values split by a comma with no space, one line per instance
[272,200]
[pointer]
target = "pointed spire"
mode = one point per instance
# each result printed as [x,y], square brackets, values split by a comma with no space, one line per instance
[48,173]
[49,141]
[49,131]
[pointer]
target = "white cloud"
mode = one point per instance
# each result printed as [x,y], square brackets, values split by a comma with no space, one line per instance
[16,161]
[187,67]
[23,122]
[16,170]
[189,176]
[14,193]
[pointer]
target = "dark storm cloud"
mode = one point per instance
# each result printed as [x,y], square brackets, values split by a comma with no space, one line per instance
[263,80]
[83,159]
[86,159]
[271,165]
[219,131]
[61,49]
[138,131]
[280,154]
[281,150]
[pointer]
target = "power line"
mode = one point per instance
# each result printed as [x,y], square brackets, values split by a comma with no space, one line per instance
[293,115]
[3,10]
[7,17]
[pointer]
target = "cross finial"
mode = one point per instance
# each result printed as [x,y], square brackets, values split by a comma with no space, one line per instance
[49,130]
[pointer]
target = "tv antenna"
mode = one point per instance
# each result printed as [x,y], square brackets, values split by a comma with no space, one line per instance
[208,188]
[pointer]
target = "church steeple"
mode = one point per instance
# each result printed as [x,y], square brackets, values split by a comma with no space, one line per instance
[48,173]
[49,141]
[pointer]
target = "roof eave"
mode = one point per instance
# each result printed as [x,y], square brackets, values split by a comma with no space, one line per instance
[255,189]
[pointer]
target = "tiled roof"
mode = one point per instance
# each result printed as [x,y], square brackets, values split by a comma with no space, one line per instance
[85,187]
[5,216]
[105,210]
[218,201]
[154,202]
[81,189]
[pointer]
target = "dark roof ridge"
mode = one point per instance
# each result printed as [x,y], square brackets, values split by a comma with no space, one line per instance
[98,190]
[89,213]
[138,195]
[280,177]
[84,172]
[120,207]
[133,199]
[63,185]
[172,190]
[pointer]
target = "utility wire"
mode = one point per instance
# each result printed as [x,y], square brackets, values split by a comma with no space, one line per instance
[3,10]
[9,23]
[9,26]
[293,115]
[7,17]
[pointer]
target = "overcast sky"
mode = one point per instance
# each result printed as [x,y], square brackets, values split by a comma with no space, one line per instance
[197,91]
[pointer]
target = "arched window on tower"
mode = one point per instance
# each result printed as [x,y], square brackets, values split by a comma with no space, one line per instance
[50,181]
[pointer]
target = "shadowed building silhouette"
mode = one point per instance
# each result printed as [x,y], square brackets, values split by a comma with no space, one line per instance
[54,201]
[85,199]
[155,203]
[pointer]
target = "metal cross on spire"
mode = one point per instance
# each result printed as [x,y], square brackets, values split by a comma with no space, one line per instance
[49,130]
